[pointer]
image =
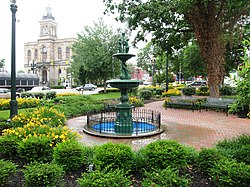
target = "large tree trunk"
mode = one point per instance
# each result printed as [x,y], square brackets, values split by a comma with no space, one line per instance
[208,33]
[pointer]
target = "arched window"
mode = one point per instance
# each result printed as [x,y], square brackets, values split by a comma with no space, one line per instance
[59,51]
[29,55]
[67,52]
[36,55]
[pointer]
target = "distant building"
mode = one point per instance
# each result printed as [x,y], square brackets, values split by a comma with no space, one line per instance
[49,57]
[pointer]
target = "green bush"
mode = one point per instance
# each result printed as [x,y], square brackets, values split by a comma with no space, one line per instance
[7,170]
[163,153]
[70,154]
[165,177]
[39,95]
[40,175]
[203,91]
[207,159]
[56,87]
[189,91]
[4,125]
[146,94]
[159,91]
[26,94]
[227,90]
[9,144]
[117,156]
[236,148]
[113,178]
[50,95]
[36,148]
[229,173]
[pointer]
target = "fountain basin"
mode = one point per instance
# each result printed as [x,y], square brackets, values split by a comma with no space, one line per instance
[118,83]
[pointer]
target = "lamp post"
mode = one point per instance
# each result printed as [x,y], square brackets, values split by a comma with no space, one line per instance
[33,66]
[153,69]
[13,102]
[166,72]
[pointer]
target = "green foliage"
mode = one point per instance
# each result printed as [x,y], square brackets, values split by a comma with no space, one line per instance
[229,173]
[38,95]
[7,170]
[4,125]
[227,90]
[203,91]
[40,175]
[97,178]
[50,95]
[243,82]
[26,94]
[36,148]
[164,153]
[70,154]
[165,177]
[146,94]
[189,91]
[159,91]
[116,156]
[207,159]
[92,64]
[9,144]
[237,148]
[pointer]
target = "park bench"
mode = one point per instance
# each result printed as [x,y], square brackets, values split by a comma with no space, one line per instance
[216,103]
[188,102]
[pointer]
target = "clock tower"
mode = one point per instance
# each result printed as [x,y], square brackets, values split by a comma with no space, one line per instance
[49,57]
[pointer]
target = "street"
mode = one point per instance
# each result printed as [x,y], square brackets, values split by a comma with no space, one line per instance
[73,90]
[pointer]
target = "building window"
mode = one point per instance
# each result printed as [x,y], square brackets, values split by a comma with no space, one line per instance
[67,52]
[29,56]
[59,53]
[36,55]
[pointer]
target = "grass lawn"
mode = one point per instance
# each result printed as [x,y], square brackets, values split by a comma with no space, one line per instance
[111,95]
[5,114]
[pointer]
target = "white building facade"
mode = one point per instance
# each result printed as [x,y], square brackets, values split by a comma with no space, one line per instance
[49,57]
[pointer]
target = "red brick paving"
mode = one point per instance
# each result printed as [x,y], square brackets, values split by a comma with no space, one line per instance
[197,129]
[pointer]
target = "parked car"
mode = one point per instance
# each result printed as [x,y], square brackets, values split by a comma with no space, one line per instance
[6,93]
[39,89]
[198,83]
[90,87]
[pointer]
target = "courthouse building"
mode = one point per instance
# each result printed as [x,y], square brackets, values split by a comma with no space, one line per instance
[49,57]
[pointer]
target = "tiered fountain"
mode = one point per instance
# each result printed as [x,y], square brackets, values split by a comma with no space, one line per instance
[125,121]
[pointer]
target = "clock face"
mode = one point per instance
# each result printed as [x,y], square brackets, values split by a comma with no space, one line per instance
[44,49]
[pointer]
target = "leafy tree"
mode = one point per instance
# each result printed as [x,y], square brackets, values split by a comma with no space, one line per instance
[2,62]
[92,54]
[172,23]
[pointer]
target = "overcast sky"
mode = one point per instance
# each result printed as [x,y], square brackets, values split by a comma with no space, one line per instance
[71,16]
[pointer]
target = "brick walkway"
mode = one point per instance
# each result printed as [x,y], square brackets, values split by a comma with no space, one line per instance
[197,129]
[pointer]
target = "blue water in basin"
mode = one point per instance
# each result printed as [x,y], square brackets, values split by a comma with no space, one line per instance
[138,127]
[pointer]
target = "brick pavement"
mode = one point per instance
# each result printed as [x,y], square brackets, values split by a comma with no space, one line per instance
[197,129]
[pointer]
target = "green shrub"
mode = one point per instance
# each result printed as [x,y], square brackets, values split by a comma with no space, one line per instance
[9,144]
[146,94]
[236,148]
[70,154]
[7,170]
[40,175]
[50,95]
[117,156]
[39,95]
[159,91]
[163,153]
[227,173]
[189,91]
[56,87]
[113,178]
[165,177]
[26,94]
[207,159]
[203,91]
[4,125]
[227,90]
[36,148]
